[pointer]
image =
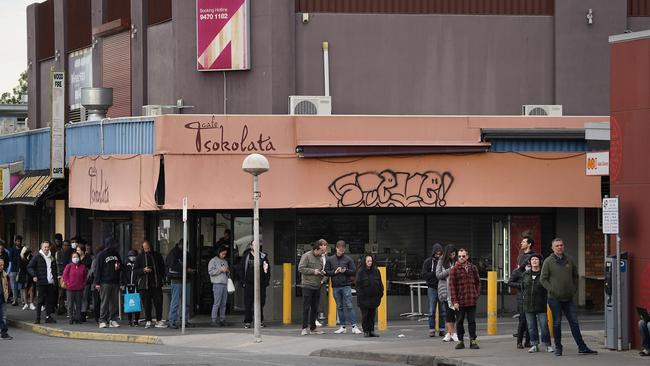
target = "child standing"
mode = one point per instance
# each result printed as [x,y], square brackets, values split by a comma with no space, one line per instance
[128,281]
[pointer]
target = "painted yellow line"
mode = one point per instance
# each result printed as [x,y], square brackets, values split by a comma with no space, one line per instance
[93,336]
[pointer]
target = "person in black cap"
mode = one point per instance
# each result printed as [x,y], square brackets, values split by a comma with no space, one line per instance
[107,282]
[248,281]
[129,279]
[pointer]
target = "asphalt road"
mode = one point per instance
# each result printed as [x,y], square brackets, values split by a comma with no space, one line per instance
[29,349]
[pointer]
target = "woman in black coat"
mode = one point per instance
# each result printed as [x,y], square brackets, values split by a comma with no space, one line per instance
[370,290]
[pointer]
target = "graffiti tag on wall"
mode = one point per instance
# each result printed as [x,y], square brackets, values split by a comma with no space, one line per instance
[392,189]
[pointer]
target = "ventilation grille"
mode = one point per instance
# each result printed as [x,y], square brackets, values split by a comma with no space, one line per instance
[77,115]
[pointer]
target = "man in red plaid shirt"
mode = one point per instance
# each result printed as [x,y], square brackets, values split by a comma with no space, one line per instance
[464,290]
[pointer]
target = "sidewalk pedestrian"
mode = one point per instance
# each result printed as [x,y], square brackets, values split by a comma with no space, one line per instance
[515,281]
[370,290]
[86,259]
[535,299]
[14,268]
[644,330]
[94,292]
[74,277]
[464,290]
[323,301]
[129,280]
[107,282]
[174,262]
[44,272]
[248,282]
[25,279]
[341,270]
[442,272]
[4,297]
[560,278]
[429,275]
[150,270]
[63,256]
[218,270]
[311,269]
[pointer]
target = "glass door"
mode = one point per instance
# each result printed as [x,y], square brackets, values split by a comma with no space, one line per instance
[205,234]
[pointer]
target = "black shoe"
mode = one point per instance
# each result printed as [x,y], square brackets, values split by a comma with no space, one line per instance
[262,325]
[222,323]
[473,344]
[15,303]
[515,335]
[71,321]
[527,344]
[49,319]
[214,323]
[247,325]
[173,326]
[587,351]
[460,345]
[441,334]
[366,334]
[558,351]
[373,334]
[520,346]
[6,337]
[83,317]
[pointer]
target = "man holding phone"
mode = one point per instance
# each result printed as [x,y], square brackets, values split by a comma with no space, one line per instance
[311,269]
[340,268]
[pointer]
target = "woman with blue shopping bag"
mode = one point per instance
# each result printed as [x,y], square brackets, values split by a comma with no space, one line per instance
[132,305]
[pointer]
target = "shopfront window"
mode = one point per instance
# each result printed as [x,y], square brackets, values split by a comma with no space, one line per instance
[170,231]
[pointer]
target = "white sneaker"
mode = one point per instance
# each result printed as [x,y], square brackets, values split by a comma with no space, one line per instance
[550,349]
[356,330]
[533,349]
[147,325]
[102,325]
[42,308]
[340,330]
[447,338]
[32,307]
[454,337]
[305,332]
[318,324]
[161,324]
[26,306]
[113,324]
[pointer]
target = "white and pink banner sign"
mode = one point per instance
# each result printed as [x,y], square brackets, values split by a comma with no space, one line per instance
[222,35]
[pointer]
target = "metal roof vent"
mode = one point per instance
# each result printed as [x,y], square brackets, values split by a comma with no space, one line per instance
[96,101]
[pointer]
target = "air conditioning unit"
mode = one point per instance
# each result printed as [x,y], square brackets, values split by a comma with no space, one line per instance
[158,110]
[541,110]
[315,105]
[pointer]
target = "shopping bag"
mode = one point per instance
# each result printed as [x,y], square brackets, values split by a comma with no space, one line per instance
[132,302]
[231,286]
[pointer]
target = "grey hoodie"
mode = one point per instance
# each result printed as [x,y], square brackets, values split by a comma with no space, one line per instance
[216,270]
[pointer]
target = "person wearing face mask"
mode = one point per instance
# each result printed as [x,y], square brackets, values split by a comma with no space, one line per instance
[129,279]
[44,272]
[74,277]
[86,260]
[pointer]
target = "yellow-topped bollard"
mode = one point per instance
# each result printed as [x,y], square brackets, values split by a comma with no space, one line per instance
[549,317]
[331,306]
[492,303]
[382,313]
[287,270]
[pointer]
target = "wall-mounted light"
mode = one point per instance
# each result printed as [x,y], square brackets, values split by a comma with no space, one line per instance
[95,42]
[134,30]
[590,17]
[29,64]
[57,55]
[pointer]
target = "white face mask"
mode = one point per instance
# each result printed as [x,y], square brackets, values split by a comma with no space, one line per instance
[75,260]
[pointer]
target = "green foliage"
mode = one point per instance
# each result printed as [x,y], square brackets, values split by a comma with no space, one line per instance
[18,91]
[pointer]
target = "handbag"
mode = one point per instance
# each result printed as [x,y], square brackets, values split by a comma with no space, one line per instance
[231,286]
[132,302]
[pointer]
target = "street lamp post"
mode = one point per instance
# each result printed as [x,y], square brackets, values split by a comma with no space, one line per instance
[256,164]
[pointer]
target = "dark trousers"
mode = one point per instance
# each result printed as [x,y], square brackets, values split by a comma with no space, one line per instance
[62,301]
[470,313]
[45,295]
[3,321]
[74,304]
[152,296]
[368,318]
[567,308]
[249,302]
[522,328]
[310,299]
[96,304]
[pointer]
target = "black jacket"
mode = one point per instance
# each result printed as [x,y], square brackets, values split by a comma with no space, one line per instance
[155,278]
[429,267]
[174,263]
[247,269]
[534,294]
[37,267]
[129,277]
[515,282]
[369,287]
[105,273]
[23,275]
[340,279]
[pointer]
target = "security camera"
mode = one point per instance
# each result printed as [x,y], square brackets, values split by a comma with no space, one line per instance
[305,18]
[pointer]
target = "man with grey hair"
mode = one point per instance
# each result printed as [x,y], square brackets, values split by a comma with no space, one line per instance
[560,278]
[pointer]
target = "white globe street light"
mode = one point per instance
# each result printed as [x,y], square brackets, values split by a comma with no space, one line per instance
[256,164]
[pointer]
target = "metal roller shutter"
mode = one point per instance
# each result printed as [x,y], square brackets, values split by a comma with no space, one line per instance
[116,72]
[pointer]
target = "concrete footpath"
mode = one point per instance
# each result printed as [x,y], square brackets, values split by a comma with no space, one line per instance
[405,342]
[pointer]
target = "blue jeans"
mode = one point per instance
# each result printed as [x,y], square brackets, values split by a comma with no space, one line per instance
[644,329]
[220,294]
[531,320]
[343,297]
[175,303]
[14,286]
[3,317]
[432,293]
[567,308]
